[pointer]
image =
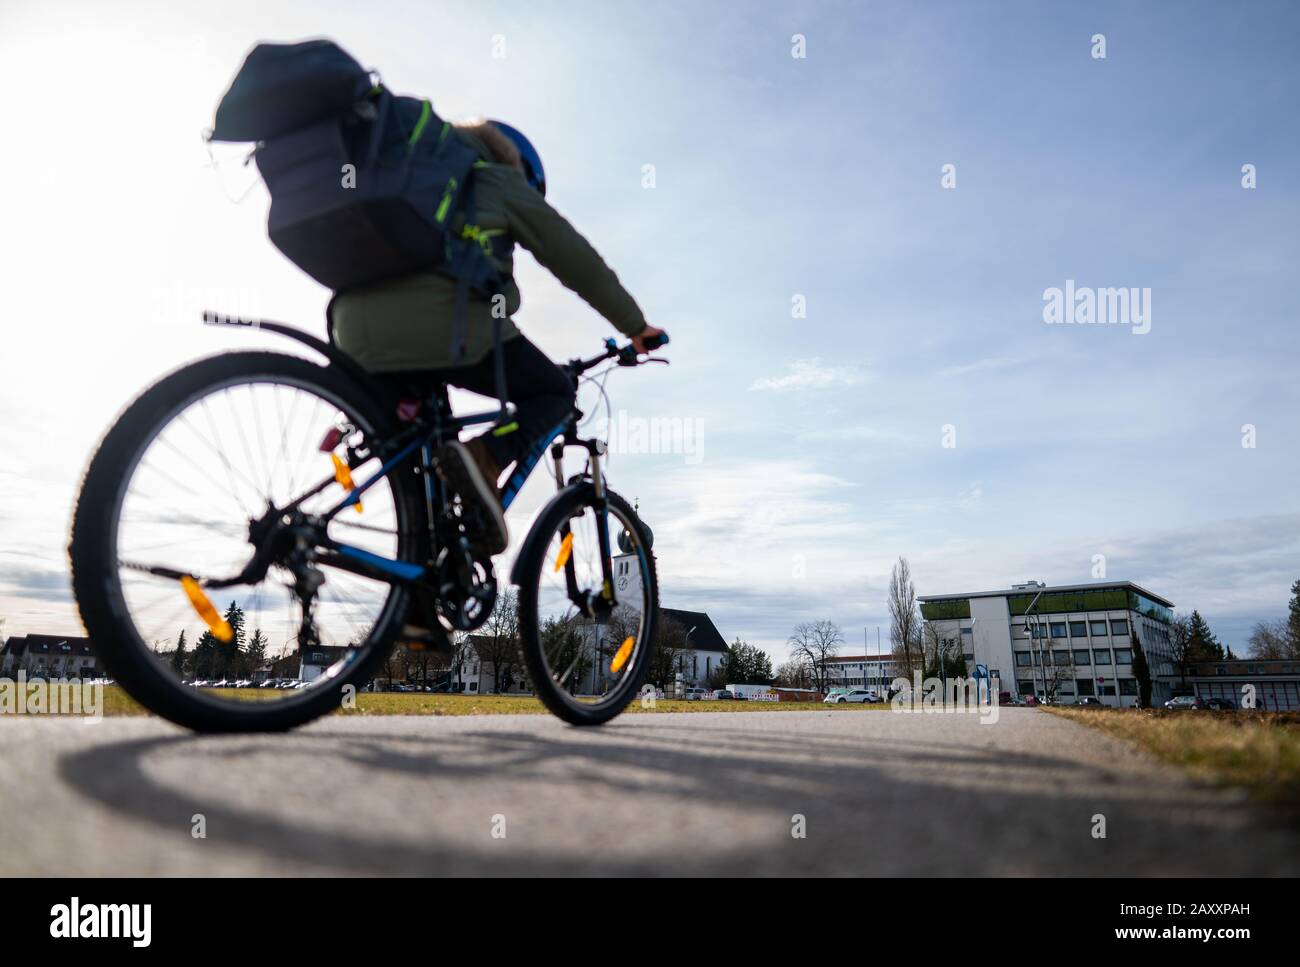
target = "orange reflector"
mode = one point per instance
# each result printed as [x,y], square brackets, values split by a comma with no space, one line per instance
[344,476]
[621,656]
[566,548]
[220,626]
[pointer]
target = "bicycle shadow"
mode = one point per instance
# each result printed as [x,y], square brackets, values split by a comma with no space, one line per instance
[635,799]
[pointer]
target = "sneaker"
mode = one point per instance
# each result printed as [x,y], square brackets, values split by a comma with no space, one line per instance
[419,638]
[485,520]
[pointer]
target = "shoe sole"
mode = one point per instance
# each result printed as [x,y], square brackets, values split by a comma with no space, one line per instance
[460,470]
[423,640]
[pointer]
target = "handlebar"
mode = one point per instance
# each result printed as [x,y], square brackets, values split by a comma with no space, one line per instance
[626,355]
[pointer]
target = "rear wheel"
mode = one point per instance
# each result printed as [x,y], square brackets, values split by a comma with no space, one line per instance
[586,669]
[173,499]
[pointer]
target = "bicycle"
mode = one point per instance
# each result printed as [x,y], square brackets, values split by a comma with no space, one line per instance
[168,489]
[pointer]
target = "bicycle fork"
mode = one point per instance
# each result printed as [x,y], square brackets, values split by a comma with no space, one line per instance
[594,606]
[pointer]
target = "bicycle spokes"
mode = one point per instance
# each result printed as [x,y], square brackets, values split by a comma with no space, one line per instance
[229,498]
[590,631]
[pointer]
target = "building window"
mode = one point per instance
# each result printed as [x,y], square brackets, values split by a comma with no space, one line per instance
[1098,628]
[1101,656]
[1065,688]
[1022,659]
[1026,688]
[1061,657]
[1078,629]
[1105,689]
[1123,656]
[1058,629]
[1128,686]
[1085,686]
[1082,656]
[1119,626]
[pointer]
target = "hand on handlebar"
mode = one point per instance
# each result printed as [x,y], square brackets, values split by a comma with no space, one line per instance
[649,339]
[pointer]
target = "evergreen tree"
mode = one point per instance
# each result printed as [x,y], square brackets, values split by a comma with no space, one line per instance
[1141,671]
[1293,619]
[255,654]
[179,657]
[1202,645]
[206,659]
[230,651]
[746,664]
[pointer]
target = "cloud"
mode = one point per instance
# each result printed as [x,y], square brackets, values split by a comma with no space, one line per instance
[982,365]
[41,584]
[807,374]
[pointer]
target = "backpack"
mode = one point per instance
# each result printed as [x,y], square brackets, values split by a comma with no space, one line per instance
[365,186]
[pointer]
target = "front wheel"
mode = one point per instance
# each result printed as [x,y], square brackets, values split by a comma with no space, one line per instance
[586,668]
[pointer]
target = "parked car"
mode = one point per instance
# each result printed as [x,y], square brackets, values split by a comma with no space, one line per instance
[724,695]
[858,695]
[1184,702]
[695,694]
[1220,704]
[1090,701]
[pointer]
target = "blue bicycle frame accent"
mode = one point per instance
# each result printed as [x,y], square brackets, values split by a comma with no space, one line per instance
[526,465]
[399,569]
[382,472]
[404,570]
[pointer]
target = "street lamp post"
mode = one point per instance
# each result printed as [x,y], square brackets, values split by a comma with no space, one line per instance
[1033,625]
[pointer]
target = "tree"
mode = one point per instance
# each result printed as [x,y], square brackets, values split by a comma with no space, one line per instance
[672,649]
[794,674]
[255,654]
[223,658]
[904,620]
[815,643]
[1202,645]
[1141,671]
[206,661]
[1180,640]
[745,664]
[1272,639]
[566,650]
[1055,674]
[1293,620]
[397,663]
[498,642]
[179,657]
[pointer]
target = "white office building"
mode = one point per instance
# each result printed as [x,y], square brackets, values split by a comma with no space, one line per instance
[874,672]
[1072,641]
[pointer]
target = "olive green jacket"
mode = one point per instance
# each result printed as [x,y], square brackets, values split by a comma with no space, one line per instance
[406,323]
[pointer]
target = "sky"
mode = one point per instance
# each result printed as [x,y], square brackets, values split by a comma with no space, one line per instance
[860,364]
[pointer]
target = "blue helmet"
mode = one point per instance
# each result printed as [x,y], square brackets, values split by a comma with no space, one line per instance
[533,170]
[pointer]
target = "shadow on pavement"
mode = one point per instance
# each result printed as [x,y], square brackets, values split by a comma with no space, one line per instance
[649,799]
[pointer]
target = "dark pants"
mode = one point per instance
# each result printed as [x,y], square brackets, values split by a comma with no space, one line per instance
[542,394]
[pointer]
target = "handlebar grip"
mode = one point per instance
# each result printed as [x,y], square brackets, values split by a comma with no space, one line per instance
[654,342]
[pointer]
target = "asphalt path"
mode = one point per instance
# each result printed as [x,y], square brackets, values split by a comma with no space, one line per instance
[825,792]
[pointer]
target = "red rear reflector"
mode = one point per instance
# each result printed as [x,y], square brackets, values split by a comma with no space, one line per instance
[332,439]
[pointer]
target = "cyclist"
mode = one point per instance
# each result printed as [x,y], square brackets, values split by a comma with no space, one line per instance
[402,329]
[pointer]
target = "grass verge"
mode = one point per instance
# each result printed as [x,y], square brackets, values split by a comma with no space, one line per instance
[116,703]
[1258,751]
